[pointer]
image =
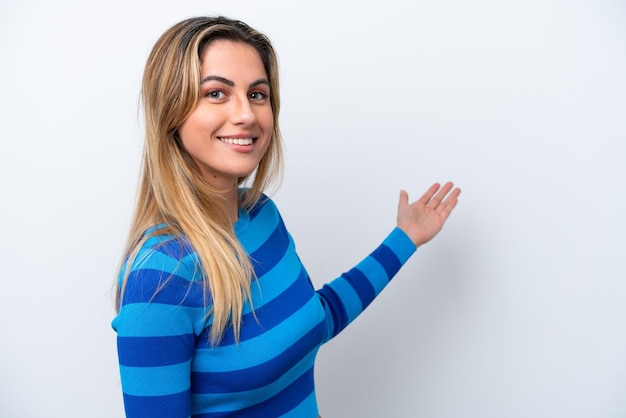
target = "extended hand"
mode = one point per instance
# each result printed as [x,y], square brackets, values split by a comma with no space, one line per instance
[424,218]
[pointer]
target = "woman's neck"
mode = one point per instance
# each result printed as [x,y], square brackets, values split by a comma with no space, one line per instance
[232,204]
[228,188]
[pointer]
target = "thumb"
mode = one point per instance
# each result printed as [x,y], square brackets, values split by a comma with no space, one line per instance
[404,199]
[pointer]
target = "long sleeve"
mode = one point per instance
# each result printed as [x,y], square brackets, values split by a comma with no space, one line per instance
[168,369]
[162,309]
[347,296]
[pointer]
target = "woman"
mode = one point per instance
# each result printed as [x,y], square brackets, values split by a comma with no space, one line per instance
[216,315]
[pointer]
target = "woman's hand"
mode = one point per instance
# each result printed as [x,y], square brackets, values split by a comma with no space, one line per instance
[424,218]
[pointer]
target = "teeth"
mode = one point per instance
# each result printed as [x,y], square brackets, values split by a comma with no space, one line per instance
[237,141]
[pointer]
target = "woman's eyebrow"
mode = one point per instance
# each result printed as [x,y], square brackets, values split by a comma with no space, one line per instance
[260,81]
[218,78]
[231,83]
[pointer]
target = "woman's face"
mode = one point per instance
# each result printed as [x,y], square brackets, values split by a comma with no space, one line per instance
[230,129]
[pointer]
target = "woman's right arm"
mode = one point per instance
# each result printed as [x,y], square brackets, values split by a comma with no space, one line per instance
[161,305]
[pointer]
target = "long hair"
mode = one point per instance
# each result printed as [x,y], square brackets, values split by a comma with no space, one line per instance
[172,191]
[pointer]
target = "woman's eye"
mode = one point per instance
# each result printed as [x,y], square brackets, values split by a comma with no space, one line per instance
[215,94]
[257,95]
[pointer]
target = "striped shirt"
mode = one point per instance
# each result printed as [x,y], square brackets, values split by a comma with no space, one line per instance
[169,369]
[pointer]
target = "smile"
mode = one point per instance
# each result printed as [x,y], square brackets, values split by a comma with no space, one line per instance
[237,141]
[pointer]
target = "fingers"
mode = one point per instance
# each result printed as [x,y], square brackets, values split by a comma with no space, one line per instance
[426,197]
[436,197]
[448,204]
[436,200]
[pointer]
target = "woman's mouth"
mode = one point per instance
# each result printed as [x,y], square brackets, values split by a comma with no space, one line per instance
[237,141]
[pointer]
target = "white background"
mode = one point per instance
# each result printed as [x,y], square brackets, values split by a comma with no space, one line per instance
[517,309]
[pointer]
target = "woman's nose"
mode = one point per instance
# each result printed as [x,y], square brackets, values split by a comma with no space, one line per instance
[242,112]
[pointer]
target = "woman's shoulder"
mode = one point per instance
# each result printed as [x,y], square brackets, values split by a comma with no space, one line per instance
[165,252]
[265,205]
[165,269]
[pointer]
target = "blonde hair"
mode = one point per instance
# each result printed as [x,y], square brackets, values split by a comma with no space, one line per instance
[172,191]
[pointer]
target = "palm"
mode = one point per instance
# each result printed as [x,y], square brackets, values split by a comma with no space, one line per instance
[424,218]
